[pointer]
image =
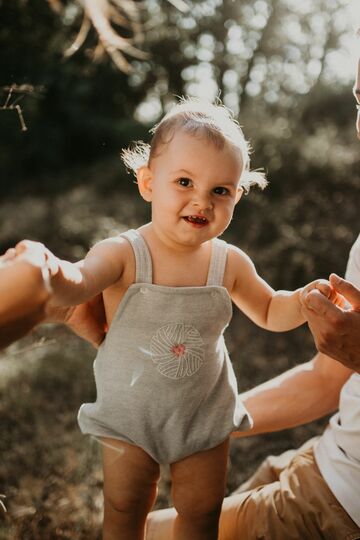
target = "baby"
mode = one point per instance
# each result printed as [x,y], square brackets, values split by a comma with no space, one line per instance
[166,390]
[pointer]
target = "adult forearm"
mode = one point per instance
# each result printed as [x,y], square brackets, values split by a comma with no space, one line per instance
[87,320]
[23,294]
[296,397]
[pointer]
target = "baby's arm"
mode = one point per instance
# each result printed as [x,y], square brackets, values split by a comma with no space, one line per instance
[285,306]
[75,283]
[273,310]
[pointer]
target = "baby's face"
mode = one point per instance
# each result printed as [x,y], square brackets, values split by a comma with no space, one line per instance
[193,187]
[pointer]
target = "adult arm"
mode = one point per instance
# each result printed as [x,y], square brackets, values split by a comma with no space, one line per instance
[87,320]
[298,396]
[24,293]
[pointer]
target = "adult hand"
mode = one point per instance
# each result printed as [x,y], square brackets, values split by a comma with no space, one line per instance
[86,320]
[24,292]
[336,331]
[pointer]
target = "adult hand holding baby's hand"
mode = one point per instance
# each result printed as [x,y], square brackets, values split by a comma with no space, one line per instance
[336,328]
[324,287]
[25,274]
[24,289]
[36,254]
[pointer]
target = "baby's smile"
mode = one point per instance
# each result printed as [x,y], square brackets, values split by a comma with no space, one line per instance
[196,220]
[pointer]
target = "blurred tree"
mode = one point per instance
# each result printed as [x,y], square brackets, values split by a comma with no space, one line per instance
[87,107]
[270,60]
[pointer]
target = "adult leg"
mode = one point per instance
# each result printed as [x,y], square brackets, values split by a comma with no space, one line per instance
[297,505]
[198,490]
[269,470]
[160,524]
[130,487]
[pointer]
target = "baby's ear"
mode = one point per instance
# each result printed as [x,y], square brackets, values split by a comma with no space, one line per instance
[144,180]
[239,193]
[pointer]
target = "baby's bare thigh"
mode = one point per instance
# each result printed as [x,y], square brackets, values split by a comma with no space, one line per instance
[200,479]
[128,470]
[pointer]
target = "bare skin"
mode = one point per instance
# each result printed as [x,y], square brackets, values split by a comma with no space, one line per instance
[336,331]
[24,294]
[87,320]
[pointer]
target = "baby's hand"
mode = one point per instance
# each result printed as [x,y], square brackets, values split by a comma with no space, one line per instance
[325,288]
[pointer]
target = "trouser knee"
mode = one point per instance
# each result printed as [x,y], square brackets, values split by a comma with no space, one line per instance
[199,510]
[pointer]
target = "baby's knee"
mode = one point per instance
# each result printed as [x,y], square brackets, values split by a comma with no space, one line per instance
[136,502]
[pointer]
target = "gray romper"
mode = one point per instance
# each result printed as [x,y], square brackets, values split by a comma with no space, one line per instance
[163,375]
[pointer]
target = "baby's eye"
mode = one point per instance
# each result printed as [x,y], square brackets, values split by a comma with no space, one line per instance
[185,182]
[221,191]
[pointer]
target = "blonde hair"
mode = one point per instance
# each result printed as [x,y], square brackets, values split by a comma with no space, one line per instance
[194,116]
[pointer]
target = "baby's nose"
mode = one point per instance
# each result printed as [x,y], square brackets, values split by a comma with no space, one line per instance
[203,201]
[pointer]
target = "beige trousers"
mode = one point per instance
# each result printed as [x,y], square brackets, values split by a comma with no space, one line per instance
[286,499]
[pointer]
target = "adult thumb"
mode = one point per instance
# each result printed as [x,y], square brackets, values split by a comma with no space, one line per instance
[347,289]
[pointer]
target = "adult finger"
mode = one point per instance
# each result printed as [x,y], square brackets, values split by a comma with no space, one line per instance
[32,251]
[9,255]
[317,302]
[52,262]
[347,289]
[25,245]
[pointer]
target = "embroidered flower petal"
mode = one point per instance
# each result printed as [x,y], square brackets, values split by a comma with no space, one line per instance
[177,350]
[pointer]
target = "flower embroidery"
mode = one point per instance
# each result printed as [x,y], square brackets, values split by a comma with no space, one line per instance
[177,350]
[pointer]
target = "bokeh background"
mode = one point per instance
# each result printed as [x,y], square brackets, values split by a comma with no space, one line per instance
[286,70]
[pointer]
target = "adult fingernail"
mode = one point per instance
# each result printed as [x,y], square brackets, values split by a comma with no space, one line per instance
[310,298]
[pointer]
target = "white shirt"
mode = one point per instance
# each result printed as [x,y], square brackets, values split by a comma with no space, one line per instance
[338,450]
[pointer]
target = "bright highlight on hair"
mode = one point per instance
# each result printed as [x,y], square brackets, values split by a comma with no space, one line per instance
[212,121]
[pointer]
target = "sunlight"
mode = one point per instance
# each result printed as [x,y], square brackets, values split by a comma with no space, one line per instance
[149,110]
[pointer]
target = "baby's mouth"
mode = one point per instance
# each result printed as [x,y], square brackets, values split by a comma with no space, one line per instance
[196,220]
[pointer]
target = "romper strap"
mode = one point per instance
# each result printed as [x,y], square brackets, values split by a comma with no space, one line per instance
[217,262]
[142,256]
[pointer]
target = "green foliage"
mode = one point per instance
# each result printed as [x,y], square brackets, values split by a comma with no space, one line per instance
[268,59]
[85,113]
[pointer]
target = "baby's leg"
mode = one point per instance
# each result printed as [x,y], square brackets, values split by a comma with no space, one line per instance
[198,491]
[130,486]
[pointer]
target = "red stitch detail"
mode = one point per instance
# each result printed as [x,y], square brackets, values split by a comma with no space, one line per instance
[178,350]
